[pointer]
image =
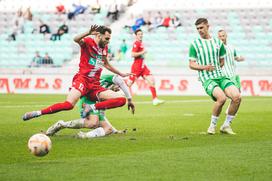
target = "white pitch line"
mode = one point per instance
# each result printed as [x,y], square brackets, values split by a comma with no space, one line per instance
[36,104]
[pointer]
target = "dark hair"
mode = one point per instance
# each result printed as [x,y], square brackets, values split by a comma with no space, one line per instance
[201,20]
[219,31]
[103,30]
[138,30]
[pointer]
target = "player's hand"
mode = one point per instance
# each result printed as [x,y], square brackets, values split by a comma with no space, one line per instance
[241,59]
[209,67]
[126,74]
[93,29]
[131,106]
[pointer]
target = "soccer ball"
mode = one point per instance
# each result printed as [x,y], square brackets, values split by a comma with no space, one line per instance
[39,144]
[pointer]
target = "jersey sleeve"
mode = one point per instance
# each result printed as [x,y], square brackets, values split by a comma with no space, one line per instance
[87,41]
[222,50]
[135,47]
[235,53]
[192,53]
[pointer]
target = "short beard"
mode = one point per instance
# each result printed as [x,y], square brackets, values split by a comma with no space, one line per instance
[101,44]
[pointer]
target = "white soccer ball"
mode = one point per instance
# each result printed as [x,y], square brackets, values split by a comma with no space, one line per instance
[39,144]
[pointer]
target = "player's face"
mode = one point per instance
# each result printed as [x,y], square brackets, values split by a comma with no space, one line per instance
[139,35]
[222,36]
[203,29]
[104,39]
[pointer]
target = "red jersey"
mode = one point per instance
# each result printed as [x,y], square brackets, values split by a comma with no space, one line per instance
[138,47]
[92,59]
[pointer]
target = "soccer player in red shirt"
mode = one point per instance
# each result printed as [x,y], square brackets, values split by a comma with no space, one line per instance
[86,82]
[139,68]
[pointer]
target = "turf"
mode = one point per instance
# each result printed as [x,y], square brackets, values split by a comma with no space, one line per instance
[168,143]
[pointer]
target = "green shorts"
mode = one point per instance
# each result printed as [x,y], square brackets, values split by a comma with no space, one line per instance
[210,84]
[236,80]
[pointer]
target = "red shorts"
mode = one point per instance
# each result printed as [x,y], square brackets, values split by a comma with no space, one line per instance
[87,86]
[138,70]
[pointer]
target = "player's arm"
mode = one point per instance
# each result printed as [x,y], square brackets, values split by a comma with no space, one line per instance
[137,54]
[222,54]
[121,83]
[222,62]
[195,66]
[238,58]
[108,66]
[135,50]
[79,38]
[192,61]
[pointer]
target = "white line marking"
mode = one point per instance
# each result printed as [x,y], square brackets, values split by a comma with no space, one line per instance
[36,104]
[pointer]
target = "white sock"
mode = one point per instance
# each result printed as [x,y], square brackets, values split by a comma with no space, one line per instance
[214,120]
[228,120]
[98,132]
[39,113]
[74,124]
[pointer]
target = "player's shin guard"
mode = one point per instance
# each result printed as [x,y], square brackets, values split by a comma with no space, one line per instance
[57,107]
[111,103]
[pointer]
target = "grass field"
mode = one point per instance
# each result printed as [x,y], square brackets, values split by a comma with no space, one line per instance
[169,143]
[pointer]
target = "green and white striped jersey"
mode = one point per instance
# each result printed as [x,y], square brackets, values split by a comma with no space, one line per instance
[205,52]
[229,66]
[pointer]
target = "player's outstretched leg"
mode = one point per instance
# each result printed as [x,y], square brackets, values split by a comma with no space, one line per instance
[73,124]
[49,110]
[107,104]
[30,115]
[55,128]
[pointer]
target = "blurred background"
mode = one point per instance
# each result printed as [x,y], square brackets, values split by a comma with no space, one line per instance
[38,55]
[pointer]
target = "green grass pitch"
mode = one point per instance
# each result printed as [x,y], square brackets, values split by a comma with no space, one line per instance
[169,143]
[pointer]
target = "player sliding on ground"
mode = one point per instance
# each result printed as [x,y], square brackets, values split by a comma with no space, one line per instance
[206,55]
[93,57]
[97,119]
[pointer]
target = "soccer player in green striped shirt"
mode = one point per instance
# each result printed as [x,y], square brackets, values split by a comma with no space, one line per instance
[231,56]
[206,55]
[229,67]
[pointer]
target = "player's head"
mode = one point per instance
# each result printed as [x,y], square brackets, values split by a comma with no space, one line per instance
[139,34]
[222,35]
[104,36]
[202,26]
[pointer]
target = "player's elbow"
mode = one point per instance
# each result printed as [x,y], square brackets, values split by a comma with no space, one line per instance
[76,40]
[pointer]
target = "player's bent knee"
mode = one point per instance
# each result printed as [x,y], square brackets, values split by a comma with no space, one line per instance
[122,101]
[237,98]
[91,124]
[222,99]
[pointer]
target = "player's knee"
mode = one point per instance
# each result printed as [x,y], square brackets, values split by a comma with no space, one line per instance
[237,99]
[67,105]
[222,99]
[91,123]
[122,101]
